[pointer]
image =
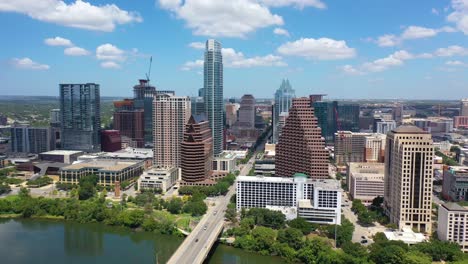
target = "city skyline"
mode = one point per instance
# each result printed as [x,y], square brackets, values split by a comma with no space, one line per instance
[304,41]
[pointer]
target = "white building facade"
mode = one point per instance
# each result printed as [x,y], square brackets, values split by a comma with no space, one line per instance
[452,223]
[317,201]
[159,178]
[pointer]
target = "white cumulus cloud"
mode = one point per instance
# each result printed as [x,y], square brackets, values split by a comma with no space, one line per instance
[28,64]
[296,3]
[411,32]
[450,51]
[281,31]
[77,14]
[197,45]
[459,16]
[76,51]
[455,63]
[110,52]
[58,41]
[110,65]
[319,49]
[236,59]
[215,18]
[192,65]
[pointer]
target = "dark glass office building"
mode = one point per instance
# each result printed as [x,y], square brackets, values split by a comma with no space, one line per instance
[333,116]
[80,116]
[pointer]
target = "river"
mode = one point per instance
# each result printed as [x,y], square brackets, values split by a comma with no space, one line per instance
[53,242]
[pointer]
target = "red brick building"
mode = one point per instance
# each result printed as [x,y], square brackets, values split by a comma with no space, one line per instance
[301,148]
[110,140]
[196,150]
[130,122]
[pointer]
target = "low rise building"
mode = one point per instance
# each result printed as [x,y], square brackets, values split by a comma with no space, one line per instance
[317,201]
[225,162]
[265,167]
[460,122]
[62,156]
[365,180]
[159,178]
[455,183]
[108,171]
[137,154]
[407,235]
[452,223]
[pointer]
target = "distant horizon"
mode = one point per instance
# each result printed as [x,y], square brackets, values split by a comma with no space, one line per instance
[265,98]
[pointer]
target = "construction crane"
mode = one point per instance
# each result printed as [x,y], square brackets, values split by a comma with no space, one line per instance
[149,70]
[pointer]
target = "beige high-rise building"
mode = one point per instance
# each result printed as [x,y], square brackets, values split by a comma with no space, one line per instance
[375,148]
[408,178]
[171,113]
[464,107]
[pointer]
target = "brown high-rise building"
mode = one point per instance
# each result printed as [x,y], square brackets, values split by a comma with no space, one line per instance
[130,122]
[171,113]
[301,148]
[196,151]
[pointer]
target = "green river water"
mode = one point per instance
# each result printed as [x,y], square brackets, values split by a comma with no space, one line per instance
[57,242]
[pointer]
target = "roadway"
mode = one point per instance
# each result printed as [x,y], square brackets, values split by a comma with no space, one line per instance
[197,245]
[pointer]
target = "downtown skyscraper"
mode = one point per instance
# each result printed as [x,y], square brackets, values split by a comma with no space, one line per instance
[80,117]
[213,92]
[283,101]
[301,148]
[409,154]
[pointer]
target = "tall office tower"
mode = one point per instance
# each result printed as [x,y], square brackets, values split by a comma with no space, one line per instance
[201,92]
[409,154]
[213,91]
[301,148]
[375,148]
[171,113]
[30,139]
[196,150]
[80,116]
[198,105]
[130,122]
[247,112]
[348,117]
[143,94]
[350,147]
[326,118]
[397,113]
[464,107]
[231,114]
[283,102]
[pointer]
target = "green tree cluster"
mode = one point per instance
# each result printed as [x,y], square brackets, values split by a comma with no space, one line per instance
[41,181]
[265,217]
[220,188]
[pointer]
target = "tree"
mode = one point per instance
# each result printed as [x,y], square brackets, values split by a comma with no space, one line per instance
[440,250]
[301,224]
[86,191]
[231,213]
[285,251]
[416,257]
[175,205]
[24,193]
[311,249]
[344,232]
[195,208]
[264,237]
[391,254]
[4,188]
[354,249]
[291,236]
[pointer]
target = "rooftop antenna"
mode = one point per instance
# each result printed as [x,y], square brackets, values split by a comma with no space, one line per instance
[149,70]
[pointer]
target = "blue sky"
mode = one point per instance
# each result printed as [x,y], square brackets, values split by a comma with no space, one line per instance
[346,49]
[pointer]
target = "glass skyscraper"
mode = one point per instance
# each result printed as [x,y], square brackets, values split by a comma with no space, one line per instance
[80,116]
[283,101]
[213,92]
[143,98]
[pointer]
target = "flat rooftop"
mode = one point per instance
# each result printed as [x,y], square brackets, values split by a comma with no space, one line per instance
[455,207]
[329,183]
[61,152]
[105,165]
